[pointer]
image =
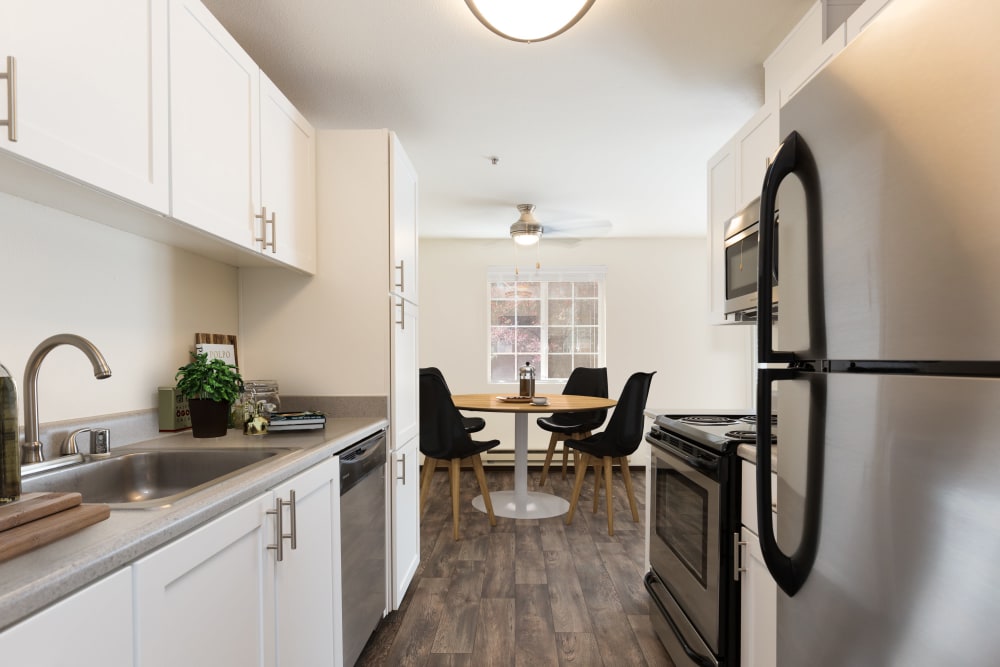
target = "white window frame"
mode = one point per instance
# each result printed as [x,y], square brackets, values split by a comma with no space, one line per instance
[496,274]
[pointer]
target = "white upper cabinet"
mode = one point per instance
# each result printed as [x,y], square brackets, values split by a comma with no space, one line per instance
[91,92]
[403,226]
[721,205]
[287,181]
[242,157]
[755,144]
[214,125]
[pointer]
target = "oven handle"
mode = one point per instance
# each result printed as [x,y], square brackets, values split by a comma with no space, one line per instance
[696,463]
[700,660]
[789,572]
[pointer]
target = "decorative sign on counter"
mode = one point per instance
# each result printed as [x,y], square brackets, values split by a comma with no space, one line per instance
[217,346]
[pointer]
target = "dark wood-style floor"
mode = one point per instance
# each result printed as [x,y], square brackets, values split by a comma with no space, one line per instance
[525,592]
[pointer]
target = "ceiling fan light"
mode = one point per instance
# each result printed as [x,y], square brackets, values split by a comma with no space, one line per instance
[526,237]
[529,20]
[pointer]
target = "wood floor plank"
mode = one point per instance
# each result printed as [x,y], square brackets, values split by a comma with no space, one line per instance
[456,631]
[569,608]
[529,564]
[578,649]
[617,643]
[536,639]
[416,632]
[553,534]
[451,660]
[627,577]
[652,649]
[498,579]
[495,635]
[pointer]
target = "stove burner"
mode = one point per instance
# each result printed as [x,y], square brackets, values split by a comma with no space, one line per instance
[752,419]
[747,436]
[708,420]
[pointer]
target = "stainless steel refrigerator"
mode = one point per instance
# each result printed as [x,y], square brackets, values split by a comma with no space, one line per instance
[884,363]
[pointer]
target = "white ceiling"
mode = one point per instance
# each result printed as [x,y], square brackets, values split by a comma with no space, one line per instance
[613,120]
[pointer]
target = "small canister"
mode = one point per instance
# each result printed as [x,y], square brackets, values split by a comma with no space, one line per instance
[526,377]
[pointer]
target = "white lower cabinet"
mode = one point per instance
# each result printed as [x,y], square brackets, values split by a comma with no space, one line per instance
[758,607]
[220,596]
[758,590]
[65,633]
[405,483]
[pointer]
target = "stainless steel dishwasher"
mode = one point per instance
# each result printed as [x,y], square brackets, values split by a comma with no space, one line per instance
[362,542]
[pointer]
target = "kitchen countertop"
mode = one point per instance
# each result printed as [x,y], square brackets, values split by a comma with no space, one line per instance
[40,577]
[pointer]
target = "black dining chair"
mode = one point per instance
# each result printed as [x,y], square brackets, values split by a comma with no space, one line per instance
[443,438]
[471,424]
[614,444]
[575,425]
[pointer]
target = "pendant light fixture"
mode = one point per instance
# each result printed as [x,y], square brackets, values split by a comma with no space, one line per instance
[529,20]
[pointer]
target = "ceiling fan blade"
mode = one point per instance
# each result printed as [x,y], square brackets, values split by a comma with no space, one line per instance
[589,227]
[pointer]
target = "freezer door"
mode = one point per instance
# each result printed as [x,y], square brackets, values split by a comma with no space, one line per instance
[906,569]
[903,132]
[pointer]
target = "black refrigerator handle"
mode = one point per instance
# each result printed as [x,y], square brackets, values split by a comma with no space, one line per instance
[790,572]
[786,160]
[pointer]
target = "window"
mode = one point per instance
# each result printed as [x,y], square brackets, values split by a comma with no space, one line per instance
[552,317]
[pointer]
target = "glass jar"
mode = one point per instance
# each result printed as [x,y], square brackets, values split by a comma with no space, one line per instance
[262,393]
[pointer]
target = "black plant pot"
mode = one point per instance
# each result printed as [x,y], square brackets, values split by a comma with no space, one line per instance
[209,419]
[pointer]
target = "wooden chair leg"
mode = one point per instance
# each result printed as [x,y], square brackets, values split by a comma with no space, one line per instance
[607,492]
[598,467]
[454,466]
[581,471]
[426,475]
[627,476]
[553,439]
[477,465]
[565,459]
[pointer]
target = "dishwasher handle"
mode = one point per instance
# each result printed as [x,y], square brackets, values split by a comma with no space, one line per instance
[358,461]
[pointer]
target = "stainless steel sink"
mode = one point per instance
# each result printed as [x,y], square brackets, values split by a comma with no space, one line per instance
[151,478]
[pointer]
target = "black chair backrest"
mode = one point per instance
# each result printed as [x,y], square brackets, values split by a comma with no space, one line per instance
[625,429]
[585,382]
[436,371]
[441,430]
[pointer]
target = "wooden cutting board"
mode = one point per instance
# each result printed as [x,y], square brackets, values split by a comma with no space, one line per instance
[31,535]
[31,506]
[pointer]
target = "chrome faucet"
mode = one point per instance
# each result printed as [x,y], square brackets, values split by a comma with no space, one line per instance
[31,450]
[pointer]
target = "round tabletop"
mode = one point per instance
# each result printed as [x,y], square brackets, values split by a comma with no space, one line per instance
[557,403]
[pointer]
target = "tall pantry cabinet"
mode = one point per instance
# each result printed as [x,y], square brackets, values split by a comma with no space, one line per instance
[351,330]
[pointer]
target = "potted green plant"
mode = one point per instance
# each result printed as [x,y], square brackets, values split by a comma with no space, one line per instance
[211,387]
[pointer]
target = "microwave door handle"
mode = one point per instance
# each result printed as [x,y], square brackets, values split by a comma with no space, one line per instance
[789,572]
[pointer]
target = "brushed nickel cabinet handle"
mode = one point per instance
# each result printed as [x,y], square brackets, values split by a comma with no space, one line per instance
[291,515]
[11,76]
[278,546]
[402,277]
[264,222]
[737,556]
[402,314]
[402,460]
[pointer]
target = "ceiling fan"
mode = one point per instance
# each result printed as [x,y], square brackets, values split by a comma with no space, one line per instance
[528,231]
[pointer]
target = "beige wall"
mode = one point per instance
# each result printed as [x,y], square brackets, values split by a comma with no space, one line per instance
[656,320]
[138,301]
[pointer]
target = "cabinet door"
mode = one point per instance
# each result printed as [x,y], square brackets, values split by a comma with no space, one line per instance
[214,125]
[91,92]
[303,586]
[207,598]
[404,404]
[756,143]
[758,607]
[288,180]
[65,633]
[405,518]
[403,221]
[721,207]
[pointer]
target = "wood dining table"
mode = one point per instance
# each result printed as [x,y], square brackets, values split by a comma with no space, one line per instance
[521,503]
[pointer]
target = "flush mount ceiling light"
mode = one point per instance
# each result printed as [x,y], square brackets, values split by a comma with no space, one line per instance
[529,20]
[526,231]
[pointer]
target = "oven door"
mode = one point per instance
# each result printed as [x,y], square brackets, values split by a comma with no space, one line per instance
[684,544]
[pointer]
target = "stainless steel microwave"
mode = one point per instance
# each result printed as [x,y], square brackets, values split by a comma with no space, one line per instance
[741,253]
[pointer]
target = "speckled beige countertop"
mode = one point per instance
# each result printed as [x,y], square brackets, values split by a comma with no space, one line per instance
[38,578]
